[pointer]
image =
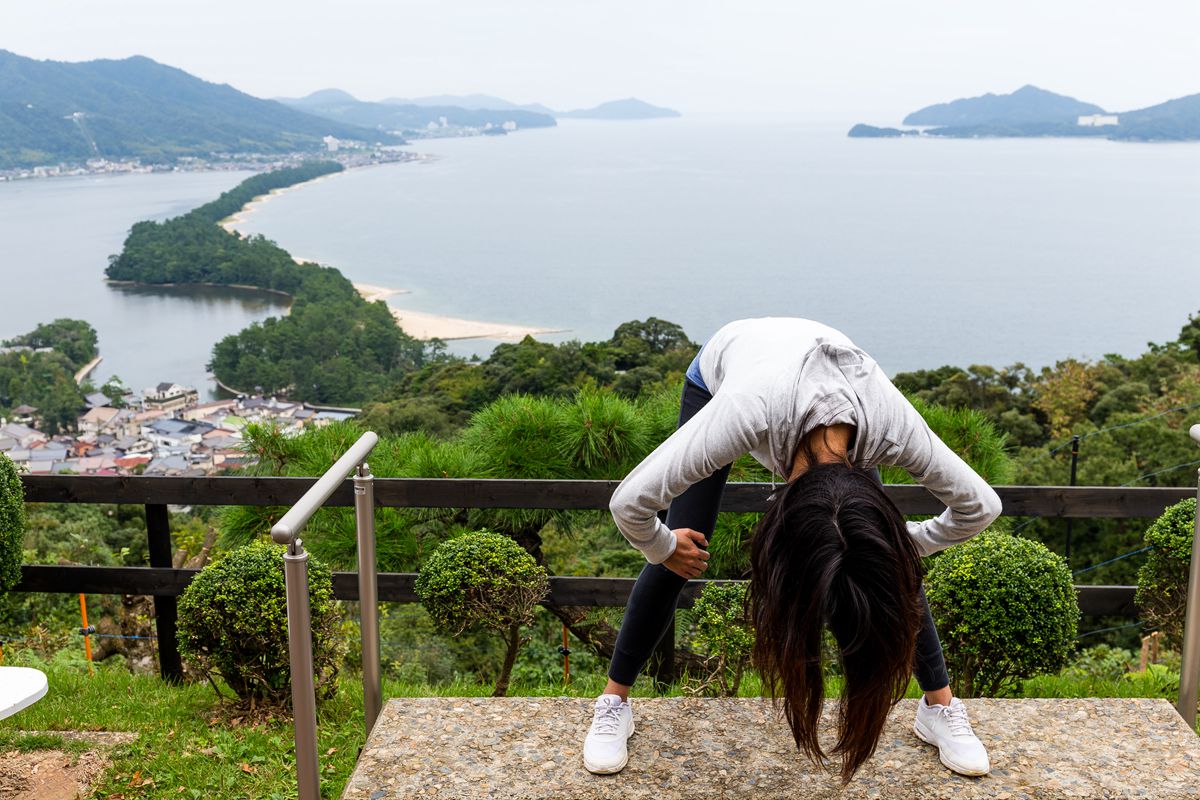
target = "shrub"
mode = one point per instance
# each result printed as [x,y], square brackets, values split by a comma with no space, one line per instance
[483,579]
[233,622]
[1101,662]
[967,432]
[1163,579]
[12,524]
[1005,609]
[724,632]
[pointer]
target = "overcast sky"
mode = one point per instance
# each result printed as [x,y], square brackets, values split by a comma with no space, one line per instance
[876,60]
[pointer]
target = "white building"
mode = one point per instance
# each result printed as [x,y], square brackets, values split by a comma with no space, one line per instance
[169,397]
[331,143]
[1098,120]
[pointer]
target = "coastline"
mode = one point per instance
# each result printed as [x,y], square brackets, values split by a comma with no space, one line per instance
[231,222]
[418,324]
[245,286]
[423,325]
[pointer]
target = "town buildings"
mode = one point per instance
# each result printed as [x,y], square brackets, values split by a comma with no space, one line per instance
[163,432]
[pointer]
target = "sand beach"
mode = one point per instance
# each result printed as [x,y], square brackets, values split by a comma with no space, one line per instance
[418,324]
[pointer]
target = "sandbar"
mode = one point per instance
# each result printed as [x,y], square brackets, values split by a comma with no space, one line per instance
[418,324]
[231,222]
[423,325]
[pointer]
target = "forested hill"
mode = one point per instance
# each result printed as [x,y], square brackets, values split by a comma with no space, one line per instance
[54,111]
[1027,104]
[332,347]
[193,248]
[1030,111]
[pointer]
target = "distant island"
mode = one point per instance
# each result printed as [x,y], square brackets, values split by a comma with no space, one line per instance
[861,131]
[1030,111]
[629,108]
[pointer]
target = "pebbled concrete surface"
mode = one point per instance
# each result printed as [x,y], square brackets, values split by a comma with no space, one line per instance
[702,748]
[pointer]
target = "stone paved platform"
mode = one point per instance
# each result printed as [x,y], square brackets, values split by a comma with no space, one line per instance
[697,748]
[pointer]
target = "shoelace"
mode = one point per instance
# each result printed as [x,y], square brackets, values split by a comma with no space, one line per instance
[956,720]
[607,719]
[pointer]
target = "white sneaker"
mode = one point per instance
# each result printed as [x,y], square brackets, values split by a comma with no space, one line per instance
[948,729]
[604,750]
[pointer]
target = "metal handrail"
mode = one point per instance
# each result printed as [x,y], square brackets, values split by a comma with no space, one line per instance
[1189,668]
[295,562]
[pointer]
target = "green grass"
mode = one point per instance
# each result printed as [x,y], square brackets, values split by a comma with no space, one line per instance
[190,745]
[33,742]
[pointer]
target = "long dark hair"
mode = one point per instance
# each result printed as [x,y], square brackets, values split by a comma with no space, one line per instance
[833,550]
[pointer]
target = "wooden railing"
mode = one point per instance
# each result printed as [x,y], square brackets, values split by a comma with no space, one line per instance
[166,583]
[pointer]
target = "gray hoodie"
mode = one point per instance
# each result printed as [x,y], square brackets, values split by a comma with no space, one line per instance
[773,380]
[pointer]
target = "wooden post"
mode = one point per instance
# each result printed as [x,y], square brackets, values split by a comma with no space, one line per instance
[158,536]
[1074,465]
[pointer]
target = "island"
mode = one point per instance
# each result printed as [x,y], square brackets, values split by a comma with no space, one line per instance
[629,108]
[1031,111]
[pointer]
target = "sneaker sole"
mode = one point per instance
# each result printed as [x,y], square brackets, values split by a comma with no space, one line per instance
[610,770]
[925,737]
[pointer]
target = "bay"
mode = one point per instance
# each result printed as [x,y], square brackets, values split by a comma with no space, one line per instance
[55,238]
[924,251]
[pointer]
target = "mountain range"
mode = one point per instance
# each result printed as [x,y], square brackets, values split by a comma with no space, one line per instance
[68,112]
[338,104]
[53,111]
[1030,111]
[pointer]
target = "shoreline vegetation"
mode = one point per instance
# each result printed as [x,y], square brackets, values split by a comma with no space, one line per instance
[421,325]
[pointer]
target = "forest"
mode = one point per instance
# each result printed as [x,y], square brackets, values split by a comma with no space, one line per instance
[44,376]
[331,347]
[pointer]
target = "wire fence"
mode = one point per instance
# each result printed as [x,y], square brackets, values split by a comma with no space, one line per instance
[1121,557]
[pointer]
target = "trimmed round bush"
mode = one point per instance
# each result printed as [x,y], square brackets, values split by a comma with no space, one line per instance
[12,524]
[1005,609]
[724,632]
[233,623]
[1163,579]
[483,579]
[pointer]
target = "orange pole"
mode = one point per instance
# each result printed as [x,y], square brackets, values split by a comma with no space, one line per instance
[87,639]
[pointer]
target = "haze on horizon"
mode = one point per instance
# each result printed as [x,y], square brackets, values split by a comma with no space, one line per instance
[876,60]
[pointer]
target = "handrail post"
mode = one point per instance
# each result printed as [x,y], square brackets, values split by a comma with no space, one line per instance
[368,593]
[295,570]
[304,699]
[1189,668]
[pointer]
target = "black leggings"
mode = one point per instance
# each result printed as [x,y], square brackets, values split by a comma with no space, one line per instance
[651,606]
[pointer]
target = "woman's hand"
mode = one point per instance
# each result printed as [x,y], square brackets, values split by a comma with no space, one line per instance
[688,560]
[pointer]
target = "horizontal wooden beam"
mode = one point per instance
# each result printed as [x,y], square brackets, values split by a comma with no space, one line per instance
[398,587]
[1040,501]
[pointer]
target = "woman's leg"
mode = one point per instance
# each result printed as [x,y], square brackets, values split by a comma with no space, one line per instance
[930,661]
[652,601]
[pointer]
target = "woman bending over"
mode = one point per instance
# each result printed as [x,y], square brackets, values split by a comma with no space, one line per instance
[832,551]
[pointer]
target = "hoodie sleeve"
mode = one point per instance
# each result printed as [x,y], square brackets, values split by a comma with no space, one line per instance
[971,504]
[728,426]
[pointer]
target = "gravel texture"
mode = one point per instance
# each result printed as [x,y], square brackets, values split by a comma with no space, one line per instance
[518,747]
